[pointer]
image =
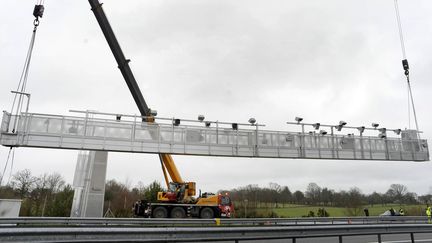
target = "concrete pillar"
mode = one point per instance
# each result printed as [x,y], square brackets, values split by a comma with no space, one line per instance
[89,184]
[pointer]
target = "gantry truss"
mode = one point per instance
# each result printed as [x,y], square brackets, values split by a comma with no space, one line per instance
[123,133]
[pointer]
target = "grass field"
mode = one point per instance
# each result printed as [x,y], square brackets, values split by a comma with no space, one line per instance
[289,210]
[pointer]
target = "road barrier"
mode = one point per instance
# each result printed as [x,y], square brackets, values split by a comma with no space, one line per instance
[200,234]
[139,222]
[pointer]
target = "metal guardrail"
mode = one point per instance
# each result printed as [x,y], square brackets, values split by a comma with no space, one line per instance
[140,222]
[327,220]
[200,234]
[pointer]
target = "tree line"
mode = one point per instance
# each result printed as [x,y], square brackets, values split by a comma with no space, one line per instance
[252,197]
[43,195]
[49,195]
[275,195]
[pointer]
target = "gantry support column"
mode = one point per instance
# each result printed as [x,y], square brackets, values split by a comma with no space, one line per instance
[89,184]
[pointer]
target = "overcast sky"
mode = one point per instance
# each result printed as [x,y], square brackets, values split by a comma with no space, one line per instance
[229,60]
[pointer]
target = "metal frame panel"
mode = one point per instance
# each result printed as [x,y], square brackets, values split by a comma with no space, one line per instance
[89,133]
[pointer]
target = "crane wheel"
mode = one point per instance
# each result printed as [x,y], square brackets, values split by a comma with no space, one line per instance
[160,212]
[207,213]
[178,212]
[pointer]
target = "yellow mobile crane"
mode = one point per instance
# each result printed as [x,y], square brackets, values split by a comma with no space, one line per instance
[178,201]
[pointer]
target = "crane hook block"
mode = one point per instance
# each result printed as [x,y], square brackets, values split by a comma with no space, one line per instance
[405,66]
[38,11]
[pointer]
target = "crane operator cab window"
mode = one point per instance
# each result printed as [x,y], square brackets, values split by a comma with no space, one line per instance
[225,200]
[173,187]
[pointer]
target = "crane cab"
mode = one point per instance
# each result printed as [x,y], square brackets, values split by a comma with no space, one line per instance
[178,192]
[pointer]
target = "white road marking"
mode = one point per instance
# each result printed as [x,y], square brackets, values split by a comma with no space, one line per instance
[402,241]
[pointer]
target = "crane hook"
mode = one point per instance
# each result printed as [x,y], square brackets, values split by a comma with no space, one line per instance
[38,13]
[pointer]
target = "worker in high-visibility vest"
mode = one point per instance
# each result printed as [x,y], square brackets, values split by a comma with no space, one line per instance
[428,213]
[401,212]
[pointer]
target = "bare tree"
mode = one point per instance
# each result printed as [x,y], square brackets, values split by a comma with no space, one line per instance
[55,182]
[39,194]
[298,197]
[47,188]
[286,195]
[376,198]
[252,191]
[327,196]
[313,192]
[354,202]
[397,192]
[425,199]
[23,182]
[274,192]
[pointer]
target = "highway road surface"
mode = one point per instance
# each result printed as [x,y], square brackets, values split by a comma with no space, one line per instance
[397,238]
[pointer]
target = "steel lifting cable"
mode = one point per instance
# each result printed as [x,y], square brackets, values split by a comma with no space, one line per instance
[5,167]
[37,13]
[11,167]
[400,29]
[406,69]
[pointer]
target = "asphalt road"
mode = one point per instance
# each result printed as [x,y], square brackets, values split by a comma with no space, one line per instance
[402,238]
[397,238]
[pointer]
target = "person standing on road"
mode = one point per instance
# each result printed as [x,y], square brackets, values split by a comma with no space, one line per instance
[428,213]
[366,212]
[392,212]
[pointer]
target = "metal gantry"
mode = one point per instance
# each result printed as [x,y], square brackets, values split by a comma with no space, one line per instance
[130,133]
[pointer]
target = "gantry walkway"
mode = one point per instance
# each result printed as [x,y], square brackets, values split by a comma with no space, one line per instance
[121,133]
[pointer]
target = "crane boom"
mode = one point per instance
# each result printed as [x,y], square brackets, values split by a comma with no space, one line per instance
[180,194]
[123,64]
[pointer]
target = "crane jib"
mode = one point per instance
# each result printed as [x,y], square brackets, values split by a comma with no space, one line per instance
[123,63]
